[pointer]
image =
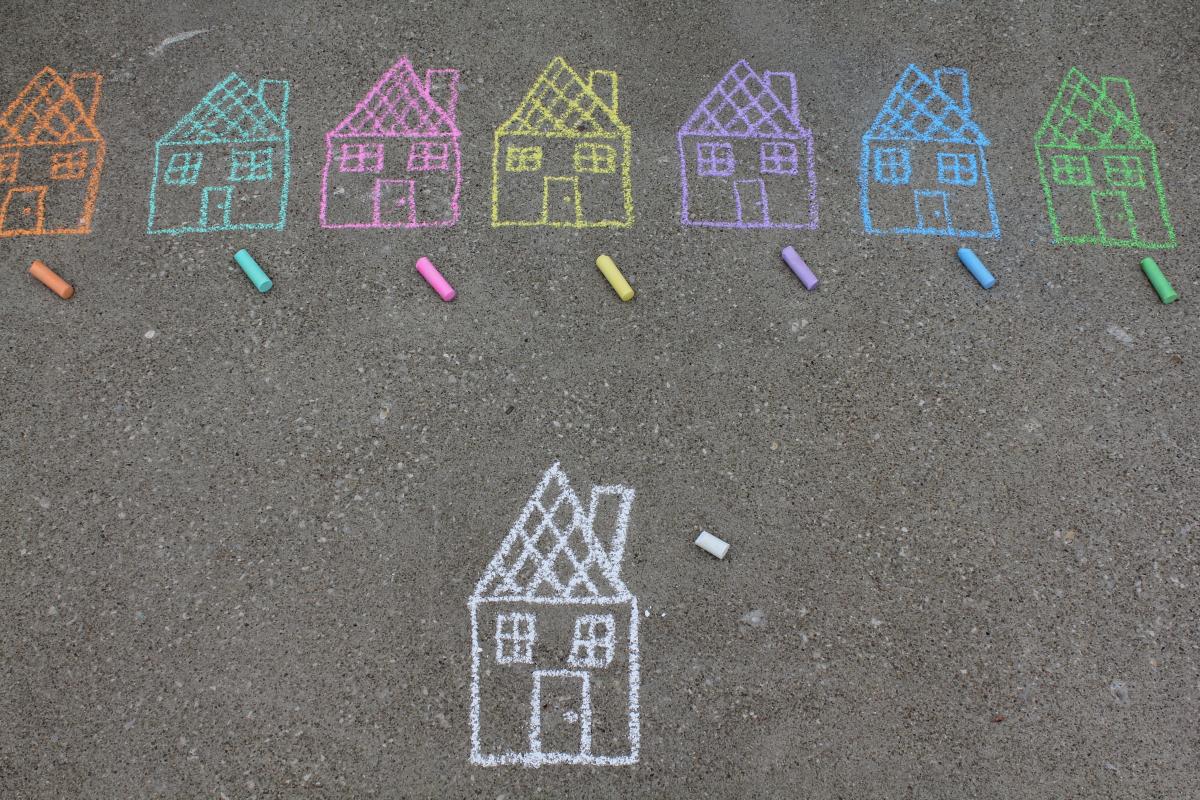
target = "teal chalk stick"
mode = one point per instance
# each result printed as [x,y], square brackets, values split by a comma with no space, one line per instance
[253,271]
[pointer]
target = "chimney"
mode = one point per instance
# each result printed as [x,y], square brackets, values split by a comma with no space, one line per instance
[783,85]
[274,95]
[1118,90]
[442,85]
[608,517]
[87,86]
[953,81]
[604,84]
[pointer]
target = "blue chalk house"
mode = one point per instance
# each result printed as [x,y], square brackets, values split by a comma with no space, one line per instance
[924,169]
[225,165]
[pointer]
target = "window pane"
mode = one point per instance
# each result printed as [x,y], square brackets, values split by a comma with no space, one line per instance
[594,640]
[958,169]
[714,159]
[251,165]
[8,166]
[523,159]
[515,636]
[892,166]
[1069,170]
[183,168]
[780,158]
[1124,171]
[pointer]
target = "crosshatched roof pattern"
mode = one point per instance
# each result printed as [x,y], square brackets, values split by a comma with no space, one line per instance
[399,105]
[918,109]
[230,112]
[743,104]
[551,552]
[47,111]
[1084,116]
[562,103]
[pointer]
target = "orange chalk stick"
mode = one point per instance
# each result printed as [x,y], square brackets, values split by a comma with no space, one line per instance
[51,280]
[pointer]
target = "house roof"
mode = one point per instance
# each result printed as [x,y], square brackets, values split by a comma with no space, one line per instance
[230,112]
[561,103]
[1084,115]
[50,111]
[401,104]
[743,104]
[552,552]
[924,109]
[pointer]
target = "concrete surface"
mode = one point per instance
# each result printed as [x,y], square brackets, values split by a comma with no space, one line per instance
[239,531]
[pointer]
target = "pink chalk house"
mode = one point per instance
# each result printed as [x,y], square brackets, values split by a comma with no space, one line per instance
[394,161]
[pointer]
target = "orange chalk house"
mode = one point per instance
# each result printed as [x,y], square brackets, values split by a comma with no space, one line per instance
[51,155]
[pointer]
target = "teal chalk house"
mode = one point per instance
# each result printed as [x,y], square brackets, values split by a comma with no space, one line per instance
[226,165]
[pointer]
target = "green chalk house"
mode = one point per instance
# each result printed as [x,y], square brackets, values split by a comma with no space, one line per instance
[1099,168]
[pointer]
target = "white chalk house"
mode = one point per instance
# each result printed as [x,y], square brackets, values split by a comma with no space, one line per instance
[554,635]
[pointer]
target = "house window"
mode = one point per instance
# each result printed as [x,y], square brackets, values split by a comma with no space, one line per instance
[778,158]
[69,166]
[593,157]
[1124,171]
[714,159]
[183,168]
[523,159]
[958,169]
[515,634]
[361,158]
[251,165]
[593,646]
[1071,170]
[8,166]
[892,166]
[428,156]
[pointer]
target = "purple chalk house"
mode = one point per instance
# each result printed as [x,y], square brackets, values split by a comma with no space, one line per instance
[746,161]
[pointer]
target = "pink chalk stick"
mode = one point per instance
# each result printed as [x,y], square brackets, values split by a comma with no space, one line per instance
[806,275]
[434,278]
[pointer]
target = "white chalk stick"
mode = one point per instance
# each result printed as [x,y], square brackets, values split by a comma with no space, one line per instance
[709,543]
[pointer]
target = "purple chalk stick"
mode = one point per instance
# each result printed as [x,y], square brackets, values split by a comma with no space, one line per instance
[793,260]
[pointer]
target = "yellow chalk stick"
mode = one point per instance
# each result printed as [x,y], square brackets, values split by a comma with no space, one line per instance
[615,278]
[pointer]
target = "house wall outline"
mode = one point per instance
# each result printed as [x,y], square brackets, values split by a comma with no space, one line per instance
[1111,130]
[594,586]
[231,120]
[745,106]
[928,117]
[586,116]
[49,125]
[377,118]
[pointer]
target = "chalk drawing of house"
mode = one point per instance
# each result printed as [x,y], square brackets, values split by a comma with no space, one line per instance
[923,167]
[562,159]
[555,629]
[225,166]
[394,161]
[1099,169]
[51,154]
[746,161]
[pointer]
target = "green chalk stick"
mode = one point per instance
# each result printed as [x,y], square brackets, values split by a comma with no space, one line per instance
[1166,292]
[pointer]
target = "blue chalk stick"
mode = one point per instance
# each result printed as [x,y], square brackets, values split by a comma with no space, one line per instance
[253,271]
[976,267]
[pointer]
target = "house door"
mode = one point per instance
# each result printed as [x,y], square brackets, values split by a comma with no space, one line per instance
[24,210]
[933,212]
[395,203]
[216,207]
[560,204]
[751,199]
[1114,216]
[561,709]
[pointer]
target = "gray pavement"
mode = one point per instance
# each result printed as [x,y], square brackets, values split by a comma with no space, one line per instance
[239,532]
